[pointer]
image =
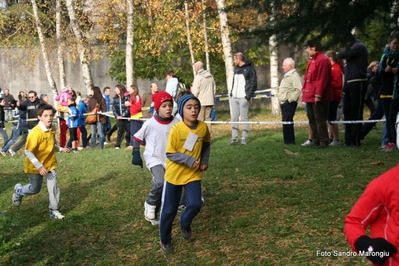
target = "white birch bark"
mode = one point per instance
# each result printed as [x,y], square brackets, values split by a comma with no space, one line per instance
[190,45]
[274,74]
[83,49]
[208,66]
[225,36]
[129,44]
[43,48]
[60,57]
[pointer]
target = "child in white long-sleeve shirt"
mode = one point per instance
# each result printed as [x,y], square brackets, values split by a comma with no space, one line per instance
[155,131]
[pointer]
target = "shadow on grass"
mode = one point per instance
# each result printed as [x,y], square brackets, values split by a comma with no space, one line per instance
[32,219]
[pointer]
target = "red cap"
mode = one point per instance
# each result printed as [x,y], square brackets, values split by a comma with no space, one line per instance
[160,97]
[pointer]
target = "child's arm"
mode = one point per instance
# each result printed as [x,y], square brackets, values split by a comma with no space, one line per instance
[206,150]
[182,158]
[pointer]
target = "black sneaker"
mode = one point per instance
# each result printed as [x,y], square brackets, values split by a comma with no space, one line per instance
[186,233]
[166,247]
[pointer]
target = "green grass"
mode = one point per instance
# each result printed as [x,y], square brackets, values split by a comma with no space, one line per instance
[263,205]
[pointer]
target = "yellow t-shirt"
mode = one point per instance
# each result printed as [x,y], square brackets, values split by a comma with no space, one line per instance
[40,142]
[181,174]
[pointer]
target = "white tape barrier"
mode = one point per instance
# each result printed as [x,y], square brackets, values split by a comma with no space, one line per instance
[266,122]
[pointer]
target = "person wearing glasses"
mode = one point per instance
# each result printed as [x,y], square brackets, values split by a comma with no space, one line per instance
[27,119]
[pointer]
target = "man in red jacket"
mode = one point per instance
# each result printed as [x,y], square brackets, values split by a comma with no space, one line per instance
[378,208]
[316,92]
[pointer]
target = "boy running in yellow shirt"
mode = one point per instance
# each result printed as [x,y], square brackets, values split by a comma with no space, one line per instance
[41,162]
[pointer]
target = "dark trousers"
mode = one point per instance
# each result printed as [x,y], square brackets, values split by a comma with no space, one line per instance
[112,130]
[377,114]
[287,112]
[317,115]
[171,199]
[353,110]
[135,126]
[123,126]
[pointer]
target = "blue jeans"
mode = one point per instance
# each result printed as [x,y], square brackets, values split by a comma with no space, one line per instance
[98,125]
[384,139]
[171,199]
[106,126]
[5,136]
[12,140]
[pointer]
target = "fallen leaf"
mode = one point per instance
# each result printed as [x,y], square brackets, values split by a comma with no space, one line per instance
[377,163]
[290,152]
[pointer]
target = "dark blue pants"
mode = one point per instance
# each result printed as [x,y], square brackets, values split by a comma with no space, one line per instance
[287,112]
[135,126]
[171,200]
[376,115]
[353,110]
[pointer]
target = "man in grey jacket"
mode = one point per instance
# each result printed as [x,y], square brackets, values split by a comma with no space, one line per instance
[204,88]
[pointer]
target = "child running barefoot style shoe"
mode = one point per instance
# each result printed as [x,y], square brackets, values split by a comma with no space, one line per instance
[187,155]
[155,131]
[41,162]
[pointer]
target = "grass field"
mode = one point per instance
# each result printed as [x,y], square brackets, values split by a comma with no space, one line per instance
[266,203]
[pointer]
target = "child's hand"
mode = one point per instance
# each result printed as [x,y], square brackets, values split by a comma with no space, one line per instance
[43,171]
[195,164]
[203,167]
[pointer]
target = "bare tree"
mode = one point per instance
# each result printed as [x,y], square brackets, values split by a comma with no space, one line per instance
[208,67]
[43,47]
[274,74]
[60,57]
[129,44]
[190,45]
[225,36]
[83,48]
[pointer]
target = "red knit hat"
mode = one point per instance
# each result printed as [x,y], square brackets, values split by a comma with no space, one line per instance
[160,97]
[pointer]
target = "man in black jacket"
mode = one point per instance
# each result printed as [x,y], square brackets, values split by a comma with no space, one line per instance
[8,98]
[244,86]
[27,119]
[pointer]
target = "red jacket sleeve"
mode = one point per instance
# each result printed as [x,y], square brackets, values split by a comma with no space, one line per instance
[336,77]
[136,105]
[364,212]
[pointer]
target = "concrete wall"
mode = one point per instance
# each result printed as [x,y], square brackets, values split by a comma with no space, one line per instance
[24,71]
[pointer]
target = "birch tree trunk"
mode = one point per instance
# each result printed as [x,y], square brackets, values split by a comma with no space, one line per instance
[190,45]
[43,47]
[274,74]
[129,44]
[208,67]
[83,48]
[60,57]
[225,36]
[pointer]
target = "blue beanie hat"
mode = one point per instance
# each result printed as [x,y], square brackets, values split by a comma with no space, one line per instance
[182,101]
